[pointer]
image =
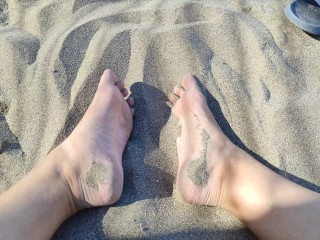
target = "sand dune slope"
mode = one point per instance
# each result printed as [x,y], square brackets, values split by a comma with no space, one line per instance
[259,73]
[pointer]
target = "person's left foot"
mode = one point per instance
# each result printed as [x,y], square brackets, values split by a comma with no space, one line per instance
[93,168]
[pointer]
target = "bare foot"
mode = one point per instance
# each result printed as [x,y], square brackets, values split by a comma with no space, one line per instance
[93,168]
[203,149]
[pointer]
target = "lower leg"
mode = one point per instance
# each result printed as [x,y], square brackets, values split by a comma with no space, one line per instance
[270,205]
[37,205]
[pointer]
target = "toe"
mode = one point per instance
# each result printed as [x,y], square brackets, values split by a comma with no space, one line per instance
[189,82]
[130,102]
[179,91]
[132,111]
[173,98]
[176,109]
[108,76]
[120,85]
[124,92]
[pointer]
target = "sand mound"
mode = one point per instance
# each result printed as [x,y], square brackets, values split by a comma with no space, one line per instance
[262,71]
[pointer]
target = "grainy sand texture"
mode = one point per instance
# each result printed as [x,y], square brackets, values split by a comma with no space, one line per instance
[258,71]
[197,170]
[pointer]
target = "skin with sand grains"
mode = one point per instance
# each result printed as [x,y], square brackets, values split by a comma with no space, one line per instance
[96,175]
[197,170]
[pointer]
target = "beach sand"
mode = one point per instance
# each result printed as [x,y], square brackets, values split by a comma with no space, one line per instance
[259,72]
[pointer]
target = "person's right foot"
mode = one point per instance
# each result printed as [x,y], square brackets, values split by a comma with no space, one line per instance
[203,149]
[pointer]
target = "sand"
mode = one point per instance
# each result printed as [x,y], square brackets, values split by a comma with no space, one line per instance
[197,170]
[3,13]
[97,175]
[258,71]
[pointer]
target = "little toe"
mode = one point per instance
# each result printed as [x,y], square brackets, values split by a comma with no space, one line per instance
[124,92]
[132,111]
[189,82]
[173,98]
[179,91]
[176,110]
[130,102]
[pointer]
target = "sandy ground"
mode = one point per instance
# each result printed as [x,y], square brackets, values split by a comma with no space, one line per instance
[259,73]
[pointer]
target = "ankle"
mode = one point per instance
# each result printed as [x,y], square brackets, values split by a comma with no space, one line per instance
[224,173]
[229,173]
[247,184]
[63,162]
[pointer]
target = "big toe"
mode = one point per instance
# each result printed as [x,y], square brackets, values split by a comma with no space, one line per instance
[189,82]
[108,77]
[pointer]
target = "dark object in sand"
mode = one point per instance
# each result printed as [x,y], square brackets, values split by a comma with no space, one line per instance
[305,14]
